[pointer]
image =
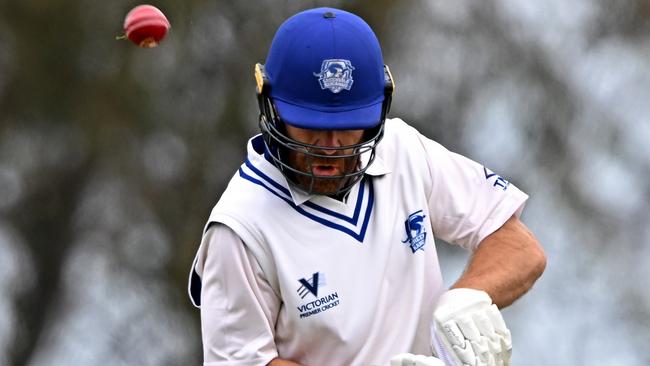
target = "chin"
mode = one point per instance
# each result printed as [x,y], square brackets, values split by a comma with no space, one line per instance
[327,186]
[322,186]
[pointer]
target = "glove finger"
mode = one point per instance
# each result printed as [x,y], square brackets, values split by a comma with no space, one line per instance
[484,346]
[453,334]
[466,355]
[460,346]
[490,360]
[503,349]
[500,326]
[502,358]
[507,352]
[496,318]
[469,328]
[408,359]
[421,360]
[398,360]
[492,339]
[484,324]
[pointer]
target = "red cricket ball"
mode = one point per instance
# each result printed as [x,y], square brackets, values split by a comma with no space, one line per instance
[146,25]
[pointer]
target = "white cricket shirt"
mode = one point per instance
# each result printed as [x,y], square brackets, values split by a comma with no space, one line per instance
[324,282]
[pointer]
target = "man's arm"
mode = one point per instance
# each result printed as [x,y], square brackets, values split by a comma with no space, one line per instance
[238,305]
[469,329]
[506,264]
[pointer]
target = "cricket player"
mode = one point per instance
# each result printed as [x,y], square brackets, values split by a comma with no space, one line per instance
[321,251]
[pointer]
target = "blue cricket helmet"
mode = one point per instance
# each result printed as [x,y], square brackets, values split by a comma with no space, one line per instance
[324,71]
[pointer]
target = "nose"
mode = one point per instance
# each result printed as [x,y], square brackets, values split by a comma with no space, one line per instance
[329,138]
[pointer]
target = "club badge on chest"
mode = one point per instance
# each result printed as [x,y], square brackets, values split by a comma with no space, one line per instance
[415,232]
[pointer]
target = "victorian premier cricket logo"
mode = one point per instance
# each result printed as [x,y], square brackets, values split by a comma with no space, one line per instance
[415,234]
[310,286]
[335,75]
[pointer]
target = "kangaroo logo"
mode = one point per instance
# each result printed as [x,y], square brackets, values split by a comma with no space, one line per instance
[415,234]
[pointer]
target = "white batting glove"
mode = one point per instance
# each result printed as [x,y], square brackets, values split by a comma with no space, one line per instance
[408,359]
[468,330]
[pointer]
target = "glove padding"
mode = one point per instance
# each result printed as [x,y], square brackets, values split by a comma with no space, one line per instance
[468,330]
[408,359]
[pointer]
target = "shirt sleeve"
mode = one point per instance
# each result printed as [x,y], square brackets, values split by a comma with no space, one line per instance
[238,307]
[467,201]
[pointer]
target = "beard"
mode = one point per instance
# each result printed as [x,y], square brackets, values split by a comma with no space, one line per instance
[324,174]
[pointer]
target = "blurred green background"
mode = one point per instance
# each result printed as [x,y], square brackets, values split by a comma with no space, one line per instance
[112,156]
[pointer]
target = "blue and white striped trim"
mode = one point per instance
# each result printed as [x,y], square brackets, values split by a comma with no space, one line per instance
[355,225]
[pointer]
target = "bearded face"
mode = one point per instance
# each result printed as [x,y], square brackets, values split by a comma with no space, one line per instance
[331,164]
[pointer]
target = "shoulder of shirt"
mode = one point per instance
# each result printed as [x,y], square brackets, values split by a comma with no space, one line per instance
[401,141]
[243,195]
